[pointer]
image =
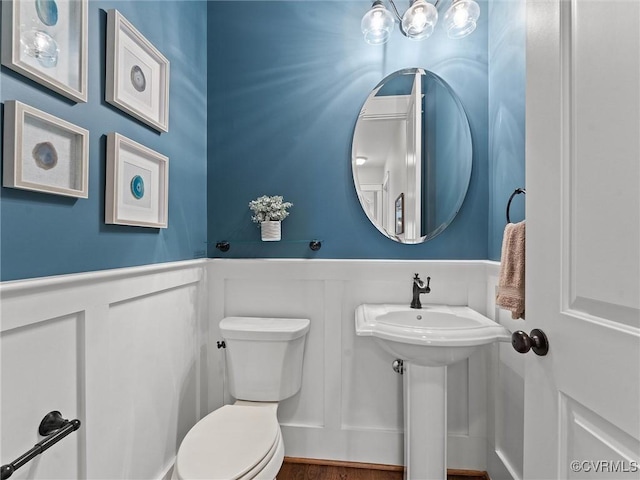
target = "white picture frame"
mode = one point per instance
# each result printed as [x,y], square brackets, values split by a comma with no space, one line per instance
[43,153]
[137,74]
[53,50]
[137,184]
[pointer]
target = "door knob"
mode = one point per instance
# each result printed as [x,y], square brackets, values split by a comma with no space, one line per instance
[536,341]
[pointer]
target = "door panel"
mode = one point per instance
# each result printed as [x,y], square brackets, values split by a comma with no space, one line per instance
[587,438]
[604,153]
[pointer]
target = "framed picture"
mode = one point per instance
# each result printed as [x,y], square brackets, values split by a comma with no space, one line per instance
[137,190]
[44,153]
[400,214]
[46,41]
[137,74]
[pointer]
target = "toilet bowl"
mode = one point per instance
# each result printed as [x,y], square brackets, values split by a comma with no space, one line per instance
[240,441]
[244,440]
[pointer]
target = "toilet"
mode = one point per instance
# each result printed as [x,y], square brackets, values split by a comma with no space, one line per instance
[243,441]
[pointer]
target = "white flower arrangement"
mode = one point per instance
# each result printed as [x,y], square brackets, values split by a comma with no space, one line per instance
[267,208]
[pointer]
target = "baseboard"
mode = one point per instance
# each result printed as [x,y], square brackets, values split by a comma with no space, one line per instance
[340,463]
[377,466]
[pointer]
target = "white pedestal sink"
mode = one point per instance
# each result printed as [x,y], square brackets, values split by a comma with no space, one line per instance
[427,340]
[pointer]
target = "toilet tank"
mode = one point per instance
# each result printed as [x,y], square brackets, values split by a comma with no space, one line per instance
[264,356]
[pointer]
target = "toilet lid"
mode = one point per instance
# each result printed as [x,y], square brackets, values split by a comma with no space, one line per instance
[227,443]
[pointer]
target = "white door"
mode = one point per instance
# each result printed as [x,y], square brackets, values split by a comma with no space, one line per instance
[413,198]
[371,196]
[582,400]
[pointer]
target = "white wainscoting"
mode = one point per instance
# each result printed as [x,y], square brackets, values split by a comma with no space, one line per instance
[505,413]
[131,353]
[120,350]
[350,405]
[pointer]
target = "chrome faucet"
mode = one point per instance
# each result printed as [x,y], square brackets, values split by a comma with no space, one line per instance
[418,288]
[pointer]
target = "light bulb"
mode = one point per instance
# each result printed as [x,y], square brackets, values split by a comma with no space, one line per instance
[461,18]
[377,24]
[377,20]
[361,160]
[418,21]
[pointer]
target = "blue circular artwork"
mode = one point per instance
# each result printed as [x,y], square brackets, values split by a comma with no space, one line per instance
[47,12]
[45,155]
[137,187]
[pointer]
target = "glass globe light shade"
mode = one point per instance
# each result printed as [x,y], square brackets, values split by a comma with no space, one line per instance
[418,21]
[461,18]
[377,24]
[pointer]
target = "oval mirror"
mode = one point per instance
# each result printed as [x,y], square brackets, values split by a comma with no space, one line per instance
[411,155]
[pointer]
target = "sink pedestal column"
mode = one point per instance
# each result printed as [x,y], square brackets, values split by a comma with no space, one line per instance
[425,422]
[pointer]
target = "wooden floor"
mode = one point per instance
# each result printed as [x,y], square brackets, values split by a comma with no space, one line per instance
[298,470]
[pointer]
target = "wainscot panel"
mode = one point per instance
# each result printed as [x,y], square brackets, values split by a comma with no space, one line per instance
[505,414]
[118,349]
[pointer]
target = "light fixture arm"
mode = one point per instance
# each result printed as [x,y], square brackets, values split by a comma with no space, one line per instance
[397,13]
[395,10]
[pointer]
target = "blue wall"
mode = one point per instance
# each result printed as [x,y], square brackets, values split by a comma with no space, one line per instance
[285,87]
[507,80]
[44,234]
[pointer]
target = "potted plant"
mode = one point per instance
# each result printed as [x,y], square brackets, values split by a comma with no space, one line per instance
[268,212]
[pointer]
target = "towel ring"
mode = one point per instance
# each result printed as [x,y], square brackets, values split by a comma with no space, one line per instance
[515,192]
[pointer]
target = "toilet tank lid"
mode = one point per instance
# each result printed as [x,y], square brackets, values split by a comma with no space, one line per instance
[263,328]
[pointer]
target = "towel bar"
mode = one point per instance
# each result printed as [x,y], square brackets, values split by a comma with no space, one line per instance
[54,428]
[515,192]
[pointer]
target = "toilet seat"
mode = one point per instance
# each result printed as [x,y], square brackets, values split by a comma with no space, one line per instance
[232,443]
[269,466]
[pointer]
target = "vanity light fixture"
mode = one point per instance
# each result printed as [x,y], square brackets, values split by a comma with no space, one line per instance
[418,22]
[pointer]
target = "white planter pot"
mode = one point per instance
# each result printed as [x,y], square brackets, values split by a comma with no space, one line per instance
[270,231]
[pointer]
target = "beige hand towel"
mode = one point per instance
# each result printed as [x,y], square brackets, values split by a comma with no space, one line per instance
[511,282]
